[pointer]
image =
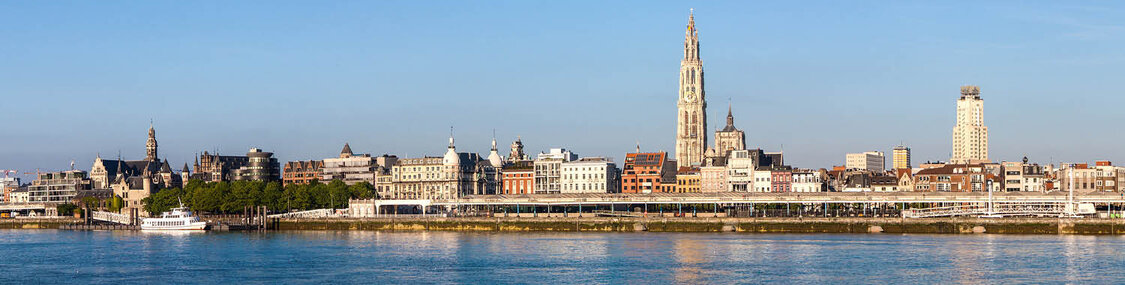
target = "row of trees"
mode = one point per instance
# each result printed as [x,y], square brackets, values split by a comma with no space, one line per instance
[233,197]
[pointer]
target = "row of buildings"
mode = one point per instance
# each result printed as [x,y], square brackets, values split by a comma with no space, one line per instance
[696,166]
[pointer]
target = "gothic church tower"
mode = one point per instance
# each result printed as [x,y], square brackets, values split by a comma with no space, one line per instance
[691,125]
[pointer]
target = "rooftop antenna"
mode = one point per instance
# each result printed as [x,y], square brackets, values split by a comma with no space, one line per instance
[638,146]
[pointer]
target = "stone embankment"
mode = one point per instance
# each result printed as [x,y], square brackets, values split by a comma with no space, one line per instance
[1087,226]
[36,223]
[746,225]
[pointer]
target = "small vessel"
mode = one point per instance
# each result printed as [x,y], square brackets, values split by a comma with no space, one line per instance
[177,219]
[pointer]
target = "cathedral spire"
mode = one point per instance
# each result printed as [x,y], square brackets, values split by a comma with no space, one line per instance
[730,116]
[691,126]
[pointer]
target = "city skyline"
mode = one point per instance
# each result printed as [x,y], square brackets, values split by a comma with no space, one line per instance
[832,128]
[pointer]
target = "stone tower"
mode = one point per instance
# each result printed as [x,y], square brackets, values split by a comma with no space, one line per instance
[970,135]
[729,138]
[150,145]
[691,123]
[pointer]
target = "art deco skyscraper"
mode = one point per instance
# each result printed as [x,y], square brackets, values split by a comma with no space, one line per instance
[691,125]
[970,136]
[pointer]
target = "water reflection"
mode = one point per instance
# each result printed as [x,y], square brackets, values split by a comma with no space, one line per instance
[600,258]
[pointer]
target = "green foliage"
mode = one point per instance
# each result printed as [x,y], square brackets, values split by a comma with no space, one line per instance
[233,197]
[91,202]
[66,209]
[116,203]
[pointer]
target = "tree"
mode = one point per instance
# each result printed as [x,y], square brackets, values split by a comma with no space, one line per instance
[66,209]
[271,196]
[362,190]
[337,192]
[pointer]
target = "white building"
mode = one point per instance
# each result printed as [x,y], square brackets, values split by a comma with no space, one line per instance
[355,168]
[873,161]
[763,180]
[740,171]
[970,135]
[448,177]
[548,170]
[807,181]
[589,175]
[19,195]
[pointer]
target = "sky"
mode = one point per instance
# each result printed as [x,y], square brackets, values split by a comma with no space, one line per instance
[816,79]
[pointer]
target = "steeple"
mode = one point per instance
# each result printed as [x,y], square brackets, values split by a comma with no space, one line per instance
[691,115]
[150,145]
[730,116]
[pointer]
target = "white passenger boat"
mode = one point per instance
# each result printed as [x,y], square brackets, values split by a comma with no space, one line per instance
[177,219]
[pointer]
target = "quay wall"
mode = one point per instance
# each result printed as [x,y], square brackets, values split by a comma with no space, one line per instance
[36,223]
[1088,226]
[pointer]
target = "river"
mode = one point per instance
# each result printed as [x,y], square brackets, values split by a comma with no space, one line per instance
[55,256]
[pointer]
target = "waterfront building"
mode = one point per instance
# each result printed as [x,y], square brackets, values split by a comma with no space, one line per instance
[1022,176]
[214,167]
[133,190]
[781,179]
[448,177]
[763,180]
[970,135]
[740,171]
[354,168]
[548,170]
[301,172]
[901,156]
[19,196]
[646,172]
[873,161]
[57,187]
[260,166]
[729,138]
[1102,177]
[713,175]
[807,180]
[955,178]
[518,178]
[104,172]
[691,118]
[884,183]
[589,175]
[1107,176]
[905,179]
[7,185]
[688,180]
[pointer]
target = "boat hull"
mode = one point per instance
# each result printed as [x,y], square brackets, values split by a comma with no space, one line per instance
[197,226]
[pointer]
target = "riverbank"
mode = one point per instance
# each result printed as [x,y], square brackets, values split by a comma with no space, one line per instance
[1051,226]
[36,223]
[745,225]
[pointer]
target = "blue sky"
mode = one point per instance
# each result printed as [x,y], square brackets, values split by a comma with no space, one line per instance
[301,78]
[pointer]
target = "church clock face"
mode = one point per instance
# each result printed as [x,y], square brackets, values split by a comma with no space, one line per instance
[690,96]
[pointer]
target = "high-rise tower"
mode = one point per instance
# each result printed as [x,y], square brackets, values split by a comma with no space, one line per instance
[150,145]
[691,125]
[901,157]
[970,135]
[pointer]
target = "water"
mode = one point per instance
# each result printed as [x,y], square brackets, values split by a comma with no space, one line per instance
[78,257]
